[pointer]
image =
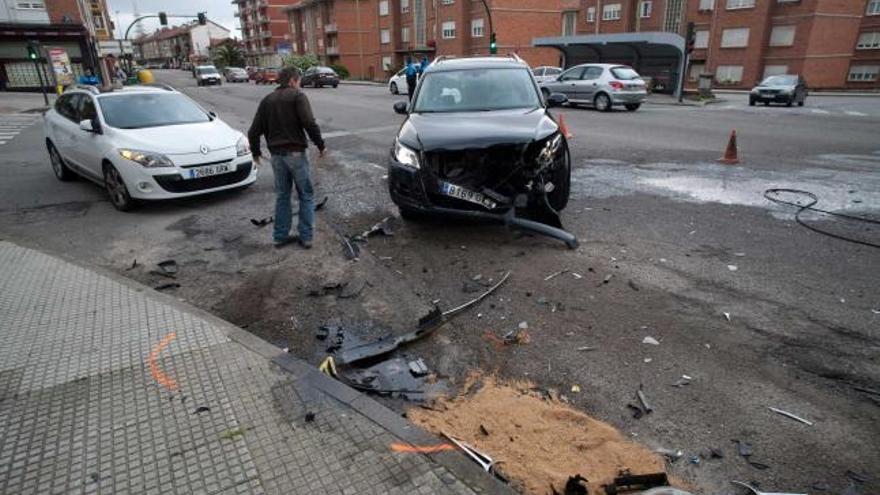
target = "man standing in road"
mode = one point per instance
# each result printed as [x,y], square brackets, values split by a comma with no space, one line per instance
[412,73]
[284,117]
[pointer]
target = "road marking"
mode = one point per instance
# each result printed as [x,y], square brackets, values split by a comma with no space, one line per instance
[855,114]
[819,111]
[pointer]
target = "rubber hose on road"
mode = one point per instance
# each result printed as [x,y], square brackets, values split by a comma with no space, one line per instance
[813,199]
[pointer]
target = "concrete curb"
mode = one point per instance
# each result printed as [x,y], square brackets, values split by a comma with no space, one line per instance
[362,83]
[810,93]
[454,461]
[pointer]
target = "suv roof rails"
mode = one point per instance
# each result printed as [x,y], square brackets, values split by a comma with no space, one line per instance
[442,58]
[85,87]
[516,57]
[164,86]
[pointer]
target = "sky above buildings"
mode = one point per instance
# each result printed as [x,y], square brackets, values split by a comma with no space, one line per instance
[220,11]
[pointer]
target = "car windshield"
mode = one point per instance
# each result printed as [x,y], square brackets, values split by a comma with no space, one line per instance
[779,81]
[207,70]
[625,73]
[135,111]
[237,71]
[326,70]
[476,90]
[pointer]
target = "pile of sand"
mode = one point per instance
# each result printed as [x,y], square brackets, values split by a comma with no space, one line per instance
[540,441]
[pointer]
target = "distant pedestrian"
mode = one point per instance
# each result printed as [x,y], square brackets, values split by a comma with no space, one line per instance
[412,74]
[89,78]
[423,66]
[121,75]
[284,117]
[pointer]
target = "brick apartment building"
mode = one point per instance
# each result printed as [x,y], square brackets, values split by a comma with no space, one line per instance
[172,46]
[264,30]
[73,25]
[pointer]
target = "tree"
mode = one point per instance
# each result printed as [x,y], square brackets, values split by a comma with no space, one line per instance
[228,55]
[301,62]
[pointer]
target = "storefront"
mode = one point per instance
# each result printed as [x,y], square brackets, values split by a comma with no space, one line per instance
[19,73]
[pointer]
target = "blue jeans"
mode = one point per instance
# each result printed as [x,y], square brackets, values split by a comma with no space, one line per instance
[292,169]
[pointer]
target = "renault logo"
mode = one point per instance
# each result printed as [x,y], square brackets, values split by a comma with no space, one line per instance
[204,149]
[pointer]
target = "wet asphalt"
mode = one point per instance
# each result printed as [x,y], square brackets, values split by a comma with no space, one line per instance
[759,311]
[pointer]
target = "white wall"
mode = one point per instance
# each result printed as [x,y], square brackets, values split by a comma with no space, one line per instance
[9,13]
[201,36]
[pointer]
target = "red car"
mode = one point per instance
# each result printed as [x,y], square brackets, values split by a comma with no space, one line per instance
[268,75]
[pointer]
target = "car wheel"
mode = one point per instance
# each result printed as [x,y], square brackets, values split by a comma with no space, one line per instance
[561,178]
[751,102]
[116,189]
[335,85]
[766,103]
[789,102]
[394,88]
[602,102]
[63,173]
[632,107]
[801,103]
[410,214]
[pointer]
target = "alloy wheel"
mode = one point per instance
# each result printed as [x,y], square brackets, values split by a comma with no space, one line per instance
[116,188]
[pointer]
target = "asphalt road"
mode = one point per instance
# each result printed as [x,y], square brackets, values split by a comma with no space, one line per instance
[758,310]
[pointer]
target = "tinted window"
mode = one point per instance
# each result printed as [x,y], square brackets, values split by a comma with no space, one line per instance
[592,73]
[780,81]
[625,73]
[476,90]
[134,111]
[87,108]
[538,72]
[572,74]
[326,70]
[206,70]
[66,106]
[552,72]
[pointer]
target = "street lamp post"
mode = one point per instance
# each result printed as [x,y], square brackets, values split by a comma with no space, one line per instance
[493,48]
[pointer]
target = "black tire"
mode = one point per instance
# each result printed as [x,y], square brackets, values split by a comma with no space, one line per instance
[801,103]
[789,102]
[335,85]
[116,189]
[561,179]
[632,107]
[751,102]
[394,89]
[62,172]
[602,102]
[410,214]
[766,103]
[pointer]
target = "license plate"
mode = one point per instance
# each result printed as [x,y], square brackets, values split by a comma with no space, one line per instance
[459,192]
[206,171]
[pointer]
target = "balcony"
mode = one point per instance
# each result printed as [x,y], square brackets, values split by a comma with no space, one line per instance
[332,50]
[265,34]
[331,28]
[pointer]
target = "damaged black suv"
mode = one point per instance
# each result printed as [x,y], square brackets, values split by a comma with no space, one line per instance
[478,142]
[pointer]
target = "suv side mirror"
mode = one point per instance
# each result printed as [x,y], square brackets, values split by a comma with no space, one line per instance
[556,99]
[213,114]
[90,126]
[400,107]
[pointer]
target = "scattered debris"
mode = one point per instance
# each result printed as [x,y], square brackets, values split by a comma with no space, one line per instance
[630,482]
[665,490]
[732,268]
[670,454]
[587,348]
[644,401]
[790,415]
[480,458]
[648,360]
[309,417]
[681,382]
[575,485]
[575,389]
[484,430]
[607,278]
[744,448]
[577,275]
[261,222]
[518,336]
[715,453]
[352,289]
[637,412]
[234,433]
[350,250]
[418,368]
[633,286]
[383,227]
[134,264]
[471,287]
[554,275]
[821,486]
[650,340]
[320,205]
[328,367]
[202,409]
[172,285]
[758,465]
[392,377]
[756,492]
[853,489]
[726,316]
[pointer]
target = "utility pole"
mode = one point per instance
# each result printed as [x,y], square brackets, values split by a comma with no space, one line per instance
[34,53]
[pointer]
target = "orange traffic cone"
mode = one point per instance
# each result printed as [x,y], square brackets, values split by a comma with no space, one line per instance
[564,128]
[730,155]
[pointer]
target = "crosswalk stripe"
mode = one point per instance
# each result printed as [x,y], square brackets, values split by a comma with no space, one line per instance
[855,114]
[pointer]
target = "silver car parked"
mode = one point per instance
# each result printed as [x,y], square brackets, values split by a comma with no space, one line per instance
[600,85]
[546,73]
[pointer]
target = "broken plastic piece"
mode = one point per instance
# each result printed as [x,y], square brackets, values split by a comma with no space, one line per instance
[328,366]
[651,341]
[173,285]
[576,485]
[756,492]
[261,222]
[644,400]
[480,458]
[321,203]
[790,415]
[383,227]
[629,482]
[670,454]
[418,367]
[553,275]
[350,249]
[744,448]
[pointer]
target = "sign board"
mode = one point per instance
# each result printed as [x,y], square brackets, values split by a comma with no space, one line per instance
[115,48]
[283,48]
[61,66]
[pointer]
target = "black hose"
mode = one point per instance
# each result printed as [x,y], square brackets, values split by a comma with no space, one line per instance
[813,199]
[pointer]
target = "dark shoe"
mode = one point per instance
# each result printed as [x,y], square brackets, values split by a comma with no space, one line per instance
[289,240]
[305,244]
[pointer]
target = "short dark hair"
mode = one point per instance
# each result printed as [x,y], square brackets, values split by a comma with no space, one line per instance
[287,74]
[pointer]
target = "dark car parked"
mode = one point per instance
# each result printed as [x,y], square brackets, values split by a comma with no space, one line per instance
[320,76]
[786,89]
[478,142]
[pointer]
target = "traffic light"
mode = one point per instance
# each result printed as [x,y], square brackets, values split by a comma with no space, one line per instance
[493,46]
[163,19]
[203,19]
[690,37]
[33,50]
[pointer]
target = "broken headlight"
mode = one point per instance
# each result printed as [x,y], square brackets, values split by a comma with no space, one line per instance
[405,156]
[548,153]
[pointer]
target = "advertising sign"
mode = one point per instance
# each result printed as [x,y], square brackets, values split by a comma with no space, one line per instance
[61,66]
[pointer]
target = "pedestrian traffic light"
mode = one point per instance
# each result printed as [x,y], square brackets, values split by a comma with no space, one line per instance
[690,37]
[33,50]
[203,19]
[163,19]
[493,46]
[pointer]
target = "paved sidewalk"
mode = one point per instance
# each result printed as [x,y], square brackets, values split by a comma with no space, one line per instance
[13,101]
[109,387]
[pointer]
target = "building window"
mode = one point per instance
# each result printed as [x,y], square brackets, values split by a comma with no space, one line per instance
[873,7]
[729,74]
[707,4]
[645,9]
[477,28]
[673,16]
[385,36]
[31,6]
[701,39]
[448,2]
[782,36]
[591,14]
[404,34]
[735,38]
[449,30]
[696,70]
[863,73]
[386,64]
[740,4]
[611,12]
[404,6]
[868,41]
[568,23]
[383,7]
[775,70]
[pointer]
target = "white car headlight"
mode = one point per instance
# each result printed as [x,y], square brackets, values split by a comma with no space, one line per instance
[242,147]
[405,156]
[146,158]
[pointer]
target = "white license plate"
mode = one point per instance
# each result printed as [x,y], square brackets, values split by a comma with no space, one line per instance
[206,171]
[458,192]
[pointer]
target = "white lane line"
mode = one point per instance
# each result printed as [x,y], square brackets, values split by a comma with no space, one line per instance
[855,114]
[820,111]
